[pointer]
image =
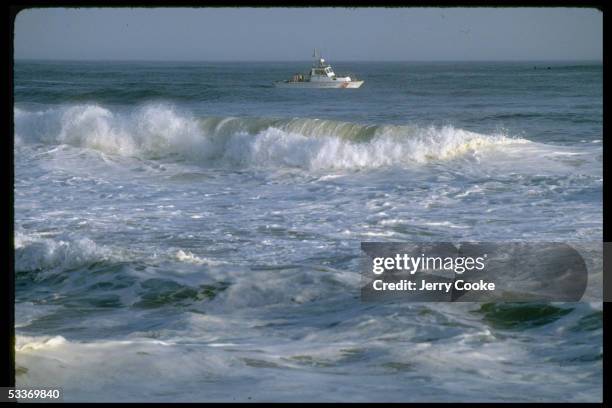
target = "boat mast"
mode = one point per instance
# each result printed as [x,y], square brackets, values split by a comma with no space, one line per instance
[318,60]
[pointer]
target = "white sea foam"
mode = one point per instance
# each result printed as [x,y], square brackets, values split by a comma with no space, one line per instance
[389,351]
[38,253]
[28,343]
[188,257]
[154,131]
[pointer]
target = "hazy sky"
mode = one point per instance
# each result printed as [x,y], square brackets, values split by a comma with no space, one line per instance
[215,34]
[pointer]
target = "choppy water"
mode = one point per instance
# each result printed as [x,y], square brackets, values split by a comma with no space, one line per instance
[185,231]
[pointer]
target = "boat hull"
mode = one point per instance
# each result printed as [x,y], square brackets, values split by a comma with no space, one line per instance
[319,84]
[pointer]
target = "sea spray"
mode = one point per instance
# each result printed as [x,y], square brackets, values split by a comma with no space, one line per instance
[159,131]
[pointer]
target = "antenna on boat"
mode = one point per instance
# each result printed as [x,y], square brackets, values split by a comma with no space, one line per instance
[317,56]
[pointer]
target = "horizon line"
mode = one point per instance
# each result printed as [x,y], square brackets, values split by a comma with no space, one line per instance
[266,60]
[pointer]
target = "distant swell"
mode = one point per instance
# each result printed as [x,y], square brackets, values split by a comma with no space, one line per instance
[160,131]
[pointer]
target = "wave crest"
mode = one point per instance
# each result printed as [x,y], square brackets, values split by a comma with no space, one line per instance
[159,131]
[34,253]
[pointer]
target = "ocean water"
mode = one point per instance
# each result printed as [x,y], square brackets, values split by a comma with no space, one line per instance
[188,232]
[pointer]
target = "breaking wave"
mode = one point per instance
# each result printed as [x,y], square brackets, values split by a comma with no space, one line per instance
[160,131]
[35,253]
